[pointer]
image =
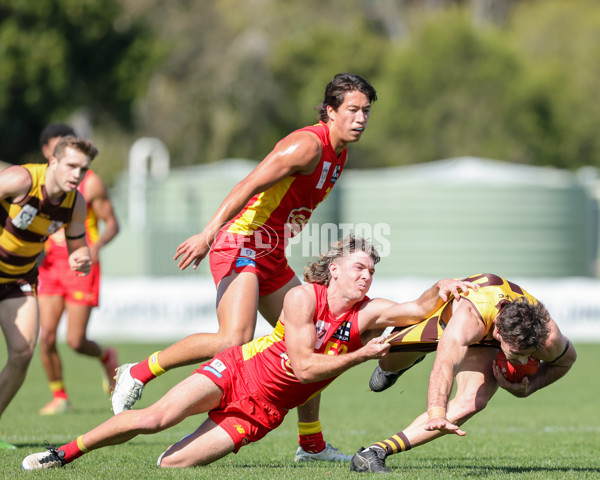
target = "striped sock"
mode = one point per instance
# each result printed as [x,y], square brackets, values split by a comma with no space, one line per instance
[73,450]
[395,444]
[148,369]
[310,437]
[58,389]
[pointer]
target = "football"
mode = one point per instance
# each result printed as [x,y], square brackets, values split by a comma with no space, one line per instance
[515,374]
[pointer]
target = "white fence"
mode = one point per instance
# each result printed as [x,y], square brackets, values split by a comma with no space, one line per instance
[167,309]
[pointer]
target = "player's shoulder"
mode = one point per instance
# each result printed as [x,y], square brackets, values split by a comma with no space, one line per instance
[15,179]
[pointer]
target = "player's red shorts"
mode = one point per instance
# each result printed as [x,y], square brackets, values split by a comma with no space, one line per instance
[236,253]
[57,279]
[243,413]
[17,289]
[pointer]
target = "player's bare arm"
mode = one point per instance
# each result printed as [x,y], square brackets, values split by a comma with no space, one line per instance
[298,310]
[97,196]
[299,152]
[463,329]
[409,313]
[15,183]
[79,253]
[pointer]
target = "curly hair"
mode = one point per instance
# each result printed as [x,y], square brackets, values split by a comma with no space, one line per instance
[523,324]
[318,272]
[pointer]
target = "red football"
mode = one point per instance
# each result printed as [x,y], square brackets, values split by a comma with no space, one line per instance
[515,374]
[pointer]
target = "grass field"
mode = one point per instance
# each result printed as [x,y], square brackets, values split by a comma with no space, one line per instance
[552,435]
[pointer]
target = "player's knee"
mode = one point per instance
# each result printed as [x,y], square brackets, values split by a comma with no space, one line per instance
[47,339]
[20,356]
[467,407]
[232,339]
[153,421]
[76,343]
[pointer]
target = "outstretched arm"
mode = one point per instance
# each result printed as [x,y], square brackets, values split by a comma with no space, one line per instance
[463,329]
[388,313]
[300,339]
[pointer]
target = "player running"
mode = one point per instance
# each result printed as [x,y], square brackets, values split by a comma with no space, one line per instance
[468,334]
[35,201]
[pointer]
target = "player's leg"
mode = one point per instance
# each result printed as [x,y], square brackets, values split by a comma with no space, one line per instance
[207,444]
[194,395]
[19,322]
[237,299]
[78,315]
[51,309]
[475,385]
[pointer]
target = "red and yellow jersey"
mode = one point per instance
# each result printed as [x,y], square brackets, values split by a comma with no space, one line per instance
[268,364]
[56,246]
[286,207]
[25,226]
[494,292]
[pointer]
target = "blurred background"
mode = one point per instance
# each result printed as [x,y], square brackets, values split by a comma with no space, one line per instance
[481,154]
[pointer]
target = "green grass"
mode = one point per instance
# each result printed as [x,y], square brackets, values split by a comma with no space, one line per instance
[551,435]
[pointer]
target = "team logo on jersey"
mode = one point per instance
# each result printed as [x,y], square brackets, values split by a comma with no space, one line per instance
[296,220]
[26,288]
[343,332]
[323,177]
[322,329]
[25,217]
[336,173]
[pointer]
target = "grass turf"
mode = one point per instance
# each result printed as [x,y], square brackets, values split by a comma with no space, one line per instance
[550,435]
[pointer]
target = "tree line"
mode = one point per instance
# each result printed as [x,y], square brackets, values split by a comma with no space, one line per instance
[222,78]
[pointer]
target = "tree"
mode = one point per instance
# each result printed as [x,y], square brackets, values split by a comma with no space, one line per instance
[57,56]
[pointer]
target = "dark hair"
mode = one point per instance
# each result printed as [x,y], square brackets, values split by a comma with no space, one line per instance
[318,272]
[55,130]
[336,90]
[70,141]
[523,324]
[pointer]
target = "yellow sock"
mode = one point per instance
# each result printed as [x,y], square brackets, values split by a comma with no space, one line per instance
[155,368]
[309,428]
[81,445]
[57,386]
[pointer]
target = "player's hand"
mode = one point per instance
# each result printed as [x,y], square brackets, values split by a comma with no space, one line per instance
[443,425]
[453,287]
[376,348]
[520,390]
[193,250]
[80,264]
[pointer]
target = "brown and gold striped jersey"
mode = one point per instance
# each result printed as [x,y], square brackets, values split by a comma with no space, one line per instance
[25,226]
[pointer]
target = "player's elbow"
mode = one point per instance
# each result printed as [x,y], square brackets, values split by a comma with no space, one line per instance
[304,375]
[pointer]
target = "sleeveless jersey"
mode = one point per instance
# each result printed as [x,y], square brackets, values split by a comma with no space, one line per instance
[282,211]
[494,292]
[56,246]
[24,227]
[268,365]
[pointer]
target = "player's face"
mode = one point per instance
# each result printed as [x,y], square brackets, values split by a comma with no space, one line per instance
[70,169]
[354,274]
[514,355]
[351,117]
